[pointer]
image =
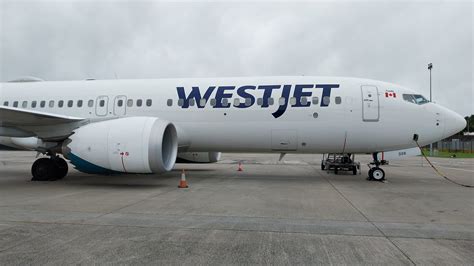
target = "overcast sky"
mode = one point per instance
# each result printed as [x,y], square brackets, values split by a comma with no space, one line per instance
[394,42]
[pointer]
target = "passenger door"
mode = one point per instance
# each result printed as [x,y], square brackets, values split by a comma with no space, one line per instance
[101,105]
[370,103]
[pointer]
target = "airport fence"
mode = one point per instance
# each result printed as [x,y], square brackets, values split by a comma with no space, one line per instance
[455,145]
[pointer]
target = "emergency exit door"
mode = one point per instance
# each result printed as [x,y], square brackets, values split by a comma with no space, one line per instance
[101,105]
[370,103]
[120,107]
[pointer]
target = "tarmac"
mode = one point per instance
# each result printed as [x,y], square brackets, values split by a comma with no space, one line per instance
[288,212]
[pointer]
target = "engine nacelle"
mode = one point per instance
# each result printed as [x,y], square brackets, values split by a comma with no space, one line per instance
[125,145]
[198,157]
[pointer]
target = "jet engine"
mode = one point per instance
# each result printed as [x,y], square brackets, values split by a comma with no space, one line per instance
[198,157]
[125,145]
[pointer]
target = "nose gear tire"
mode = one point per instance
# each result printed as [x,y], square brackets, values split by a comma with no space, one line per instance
[377,174]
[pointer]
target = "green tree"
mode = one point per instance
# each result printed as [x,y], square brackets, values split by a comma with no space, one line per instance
[470,124]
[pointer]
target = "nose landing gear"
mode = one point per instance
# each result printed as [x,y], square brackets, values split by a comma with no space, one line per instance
[376,173]
[49,169]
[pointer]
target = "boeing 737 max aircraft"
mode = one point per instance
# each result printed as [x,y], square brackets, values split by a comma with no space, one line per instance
[144,126]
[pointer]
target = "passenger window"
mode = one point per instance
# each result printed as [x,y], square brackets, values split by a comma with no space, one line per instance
[60,104]
[191,102]
[90,103]
[139,103]
[326,100]
[338,100]
[15,104]
[315,100]
[149,102]
[260,101]
[33,104]
[213,102]
[304,100]
[169,102]
[5,103]
[129,102]
[202,102]
[271,101]
[248,102]
[236,102]
[180,102]
[102,103]
[120,103]
[24,104]
[282,101]
[292,100]
[51,104]
[42,104]
[70,103]
[225,102]
[79,103]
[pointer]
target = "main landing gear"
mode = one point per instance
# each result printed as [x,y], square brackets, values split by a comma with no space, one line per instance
[376,173]
[49,169]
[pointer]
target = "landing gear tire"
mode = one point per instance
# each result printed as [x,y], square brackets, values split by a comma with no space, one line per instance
[45,169]
[42,169]
[354,170]
[322,166]
[377,174]
[60,168]
[370,174]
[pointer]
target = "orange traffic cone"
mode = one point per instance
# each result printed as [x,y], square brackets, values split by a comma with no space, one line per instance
[182,182]
[240,167]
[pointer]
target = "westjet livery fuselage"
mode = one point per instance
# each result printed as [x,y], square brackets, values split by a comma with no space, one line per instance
[142,126]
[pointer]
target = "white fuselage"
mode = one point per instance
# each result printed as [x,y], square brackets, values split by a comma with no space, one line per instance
[361,116]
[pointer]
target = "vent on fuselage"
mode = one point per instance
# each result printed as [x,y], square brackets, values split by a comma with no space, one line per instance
[26,79]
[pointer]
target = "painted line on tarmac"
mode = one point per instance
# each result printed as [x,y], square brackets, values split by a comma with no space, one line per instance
[466,170]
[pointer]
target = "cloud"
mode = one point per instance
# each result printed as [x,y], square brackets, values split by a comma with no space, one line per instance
[386,41]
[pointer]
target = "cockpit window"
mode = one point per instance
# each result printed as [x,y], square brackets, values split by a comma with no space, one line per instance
[415,98]
[409,98]
[420,99]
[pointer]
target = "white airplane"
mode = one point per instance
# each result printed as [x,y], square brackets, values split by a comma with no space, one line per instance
[144,126]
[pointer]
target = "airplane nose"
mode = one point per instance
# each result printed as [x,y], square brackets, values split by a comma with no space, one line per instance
[454,123]
[459,123]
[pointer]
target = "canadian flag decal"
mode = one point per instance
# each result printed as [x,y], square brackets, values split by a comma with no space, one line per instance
[390,94]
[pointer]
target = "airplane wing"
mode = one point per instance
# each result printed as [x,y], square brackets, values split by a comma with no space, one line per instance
[15,117]
[35,123]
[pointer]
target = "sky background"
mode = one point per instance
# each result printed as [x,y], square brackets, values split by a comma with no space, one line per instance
[389,41]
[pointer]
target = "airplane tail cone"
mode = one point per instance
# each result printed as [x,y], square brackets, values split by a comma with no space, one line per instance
[240,169]
[183,183]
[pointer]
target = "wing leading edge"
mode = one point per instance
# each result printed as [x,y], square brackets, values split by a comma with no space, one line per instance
[14,117]
[41,124]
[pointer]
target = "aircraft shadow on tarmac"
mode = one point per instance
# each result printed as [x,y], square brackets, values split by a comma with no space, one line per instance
[115,181]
